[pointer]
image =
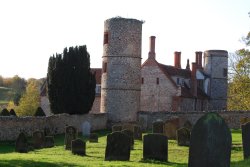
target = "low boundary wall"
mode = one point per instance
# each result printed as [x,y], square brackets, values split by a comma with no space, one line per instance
[10,126]
[232,118]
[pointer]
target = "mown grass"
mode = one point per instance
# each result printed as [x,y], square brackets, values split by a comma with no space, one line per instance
[58,156]
[6,94]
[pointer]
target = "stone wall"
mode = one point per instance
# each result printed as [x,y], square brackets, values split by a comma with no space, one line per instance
[231,117]
[10,127]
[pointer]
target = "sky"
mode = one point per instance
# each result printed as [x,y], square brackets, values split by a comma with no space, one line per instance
[33,30]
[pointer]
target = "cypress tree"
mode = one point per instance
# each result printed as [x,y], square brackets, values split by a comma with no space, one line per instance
[39,112]
[12,112]
[71,85]
[5,112]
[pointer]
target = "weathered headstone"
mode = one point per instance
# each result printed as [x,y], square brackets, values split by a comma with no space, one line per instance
[158,127]
[188,125]
[38,139]
[78,147]
[93,138]
[21,143]
[86,128]
[118,147]
[70,134]
[210,143]
[116,128]
[170,128]
[246,139]
[47,131]
[155,146]
[128,126]
[49,142]
[244,120]
[137,132]
[131,136]
[183,136]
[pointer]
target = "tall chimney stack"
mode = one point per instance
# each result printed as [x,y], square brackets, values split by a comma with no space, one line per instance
[198,59]
[177,59]
[151,53]
[193,78]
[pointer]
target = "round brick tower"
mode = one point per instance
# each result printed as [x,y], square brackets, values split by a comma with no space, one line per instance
[121,77]
[216,65]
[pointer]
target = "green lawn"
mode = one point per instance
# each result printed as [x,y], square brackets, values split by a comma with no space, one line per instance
[58,156]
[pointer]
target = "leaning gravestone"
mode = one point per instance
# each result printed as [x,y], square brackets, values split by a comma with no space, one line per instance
[170,128]
[118,147]
[78,147]
[116,128]
[21,143]
[93,138]
[137,132]
[49,142]
[183,137]
[86,129]
[158,127]
[246,139]
[38,139]
[155,146]
[70,134]
[188,125]
[210,143]
[131,136]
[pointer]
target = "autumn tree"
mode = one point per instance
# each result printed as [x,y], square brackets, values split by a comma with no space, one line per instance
[239,78]
[30,100]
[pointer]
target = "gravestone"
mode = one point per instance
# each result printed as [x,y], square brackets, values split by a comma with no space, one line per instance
[244,120]
[70,134]
[170,128]
[155,146]
[78,146]
[188,125]
[21,143]
[246,139]
[183,137]
[128,126]
[86,129]
[49,142]
[116,128]
[93,138]
[38,139]
[137,132]
[46,131]
[210,143]
[131,136]
[158,127]
[118,147]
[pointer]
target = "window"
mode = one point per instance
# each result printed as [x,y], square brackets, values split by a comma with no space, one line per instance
[157,81]
[104,67]
[178,81]
[106,38]
[182,82]
[225,72]
[142,80]
[98,89]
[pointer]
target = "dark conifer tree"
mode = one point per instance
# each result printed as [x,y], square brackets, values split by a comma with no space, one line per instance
[12,112]
[71,85]
[39,112]
[5,112]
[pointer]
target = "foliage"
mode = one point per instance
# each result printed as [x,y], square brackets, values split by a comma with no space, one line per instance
[11,105]
[12,112]
[5,112]
[239,81]
[30,99]
[71,85]
[58,156]
[39,112]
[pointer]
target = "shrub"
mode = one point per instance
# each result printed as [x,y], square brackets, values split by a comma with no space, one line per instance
[12,112]
[40,112]
[5,112]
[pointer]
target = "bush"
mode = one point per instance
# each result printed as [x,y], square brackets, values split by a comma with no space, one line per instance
[12,112]
[5,112]
[40,112]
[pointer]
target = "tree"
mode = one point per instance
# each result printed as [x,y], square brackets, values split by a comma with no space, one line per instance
[30,99]
[39,112]
[71,85]
[239,78]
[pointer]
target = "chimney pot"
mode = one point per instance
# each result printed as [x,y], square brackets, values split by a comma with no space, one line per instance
[151,53]
[177,59]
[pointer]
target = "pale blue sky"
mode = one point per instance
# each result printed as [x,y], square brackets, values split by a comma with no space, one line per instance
[32,30]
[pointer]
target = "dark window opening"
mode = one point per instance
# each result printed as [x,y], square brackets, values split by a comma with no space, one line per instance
[104,67]
[106,38]
[225,72]
[178,81]
[157,81]
[142,80]
[200,83]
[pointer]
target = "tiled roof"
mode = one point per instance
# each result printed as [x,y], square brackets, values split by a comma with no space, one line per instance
[98,74]
[173,71]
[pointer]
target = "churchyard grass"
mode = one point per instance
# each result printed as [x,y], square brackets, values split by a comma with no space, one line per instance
[58,156]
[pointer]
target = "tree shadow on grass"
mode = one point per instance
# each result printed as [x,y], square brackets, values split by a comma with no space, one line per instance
[31,163]
[163,163]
